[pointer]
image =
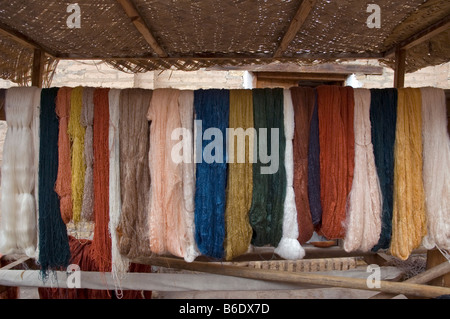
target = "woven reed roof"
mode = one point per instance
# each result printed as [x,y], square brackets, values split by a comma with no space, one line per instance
[143,35]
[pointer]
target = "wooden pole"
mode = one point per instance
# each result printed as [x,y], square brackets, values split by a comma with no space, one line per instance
[37,71]
[399,71]
[421,278]
[298,277]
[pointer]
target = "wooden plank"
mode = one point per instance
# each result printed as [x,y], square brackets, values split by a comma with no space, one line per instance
[422,278]
[37,71]
[299,19]
[422,36]
[435,257]
[315,68]
[299,278]
[24,40]
[399,69]
[141,26]
[301,76]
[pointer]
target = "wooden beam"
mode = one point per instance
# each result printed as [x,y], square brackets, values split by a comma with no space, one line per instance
[256,58]
[297,277]
[421,36]
[24,40]
[295,25]
[131,11]
[314,68]
[399,68]
[422,278]
[37,71]
[301,76]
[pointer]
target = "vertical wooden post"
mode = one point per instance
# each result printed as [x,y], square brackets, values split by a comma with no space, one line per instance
[399,71]
[434,258]
[37,71]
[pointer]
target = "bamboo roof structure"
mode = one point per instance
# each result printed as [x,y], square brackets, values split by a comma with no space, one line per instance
[145,35]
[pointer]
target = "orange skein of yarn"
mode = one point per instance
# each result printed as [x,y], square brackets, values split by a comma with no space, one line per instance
[101,243]
[337,152]
[63,182]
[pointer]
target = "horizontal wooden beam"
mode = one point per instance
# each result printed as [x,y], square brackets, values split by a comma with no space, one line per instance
[422,36]
[311,68]
[297,277]
[262,58]
[141,26]
[301,76]
[24,40]
[299,19]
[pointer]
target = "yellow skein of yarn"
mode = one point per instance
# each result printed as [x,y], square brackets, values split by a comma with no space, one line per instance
[409,219]
[240,177]
[76,133]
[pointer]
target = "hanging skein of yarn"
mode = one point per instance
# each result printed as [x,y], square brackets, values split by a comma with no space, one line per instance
[303,101]
[364,206]
[337,152]
[54,251]
[240,174]
[383,118]
[436,168]
[101,242]
[87,120]
[133,228]
[186,109]
[289,246]
[409,217]
[120,263]
[63,185]
[76,133]
[212,109]
[315,204]
[18,227]
[167,219]
[269,189]
[35,127]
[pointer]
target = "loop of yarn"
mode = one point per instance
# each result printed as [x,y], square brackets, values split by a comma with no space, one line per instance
[289,246]
[269,190]
[436,168]
[336,134]
[54,251]
[133,228]
[18,227]
[167,217]
[87,120]
[63,185]
[364,206]
[76,133]
[240,176]
[315,204]
[303,101]
[212,108]
[120,264]
[409,218]
[101,242]
[383,118]
[186,109]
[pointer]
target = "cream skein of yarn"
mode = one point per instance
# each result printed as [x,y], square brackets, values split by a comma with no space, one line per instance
[289,247]
[18,205]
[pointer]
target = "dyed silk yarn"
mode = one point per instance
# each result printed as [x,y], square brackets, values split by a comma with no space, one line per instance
[383,118]
[269,190]
[212,109]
